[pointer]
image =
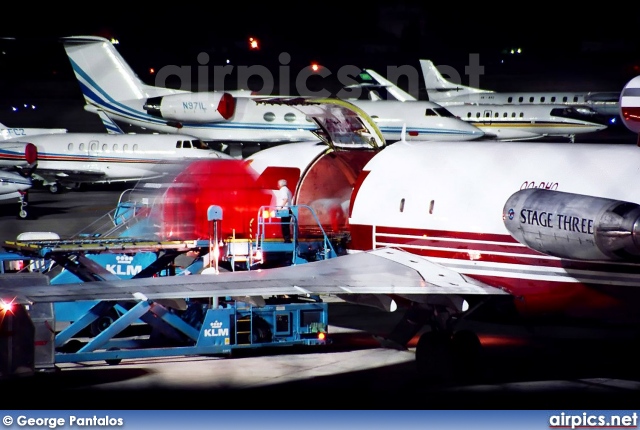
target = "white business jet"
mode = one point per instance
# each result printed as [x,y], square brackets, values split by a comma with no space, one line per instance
[68,160]
[505,121]
[443,91]
[110,86]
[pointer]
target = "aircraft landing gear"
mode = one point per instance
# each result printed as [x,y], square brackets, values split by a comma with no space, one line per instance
[23,201]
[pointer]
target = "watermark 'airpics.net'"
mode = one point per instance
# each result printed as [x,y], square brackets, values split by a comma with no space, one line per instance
[346,76]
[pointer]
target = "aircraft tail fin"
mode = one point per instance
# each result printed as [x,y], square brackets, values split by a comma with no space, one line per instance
[397,92]
[109,124]
[438,87]
[105,78]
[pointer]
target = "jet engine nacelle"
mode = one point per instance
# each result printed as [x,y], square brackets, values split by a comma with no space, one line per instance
[193,107]
[18,154]
[574,226]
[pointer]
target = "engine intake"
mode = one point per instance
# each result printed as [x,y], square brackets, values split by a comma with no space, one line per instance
[574,226]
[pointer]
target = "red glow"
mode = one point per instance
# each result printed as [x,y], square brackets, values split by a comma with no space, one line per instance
[229,184]
[31,153]
[227,106]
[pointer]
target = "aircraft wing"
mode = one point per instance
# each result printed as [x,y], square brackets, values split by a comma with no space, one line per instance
[342,124]
[68,176]
[381,271]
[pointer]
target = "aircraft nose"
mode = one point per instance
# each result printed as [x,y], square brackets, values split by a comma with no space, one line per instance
[473,131]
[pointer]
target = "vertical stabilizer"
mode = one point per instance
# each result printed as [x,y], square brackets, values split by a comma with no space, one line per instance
[109,124]
[397,92]
[104,76]
[438,88]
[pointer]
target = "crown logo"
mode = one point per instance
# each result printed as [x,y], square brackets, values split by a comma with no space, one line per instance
[216,324]
[124,259]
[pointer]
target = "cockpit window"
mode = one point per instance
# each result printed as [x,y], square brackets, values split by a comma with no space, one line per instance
[442,111]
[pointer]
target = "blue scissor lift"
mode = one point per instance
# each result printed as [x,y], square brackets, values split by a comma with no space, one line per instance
[143,328]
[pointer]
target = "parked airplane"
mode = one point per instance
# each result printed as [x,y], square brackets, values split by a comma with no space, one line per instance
[7,133]
[452,232]
[504,121]
[110,86]
[447,93]
[71,159]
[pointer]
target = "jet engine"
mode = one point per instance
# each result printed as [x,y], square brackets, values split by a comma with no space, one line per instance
[201,107]
[19,154]
[574,226]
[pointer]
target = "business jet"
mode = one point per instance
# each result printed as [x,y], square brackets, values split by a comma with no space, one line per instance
[111,87]
[447,93]
[68,160]
[502,121]
[7,133]
[452,233]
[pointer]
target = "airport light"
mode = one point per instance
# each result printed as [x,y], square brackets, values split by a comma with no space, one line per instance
[254,45]
[6,307]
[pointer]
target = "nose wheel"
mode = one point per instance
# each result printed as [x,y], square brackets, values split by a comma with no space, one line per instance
[23,202]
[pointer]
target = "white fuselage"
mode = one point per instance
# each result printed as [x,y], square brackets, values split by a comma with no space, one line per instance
[101,157]
[526,121]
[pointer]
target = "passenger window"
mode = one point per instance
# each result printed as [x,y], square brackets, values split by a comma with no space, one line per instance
[504,115]
[496,115]
[125,147]
[179,144]
[520,99]
[564,99]
[81,147]
[531,99]
[521,114]
[513,114]
[115,147]
[477,114]
[269,116]
[553,99]
[290,117]
[135,147]
[541,99]
[70,147]
[510,100]
[105,147]
[575,99]
[468,114]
